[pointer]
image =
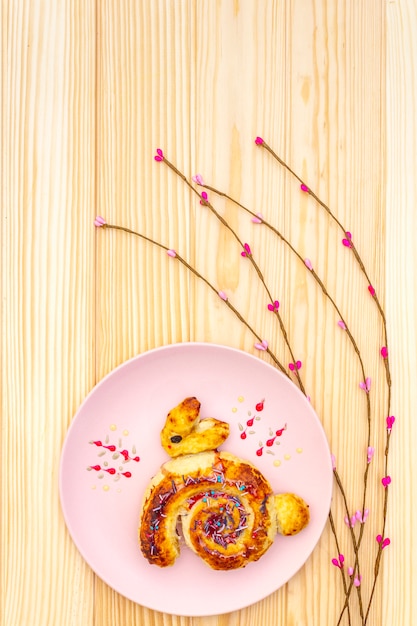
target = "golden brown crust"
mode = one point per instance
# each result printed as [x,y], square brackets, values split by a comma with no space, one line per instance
[184,433]
[293,513]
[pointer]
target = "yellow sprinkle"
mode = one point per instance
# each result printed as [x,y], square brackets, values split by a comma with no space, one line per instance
[106,487]
[240,399]
[113,427]
[234,410]
[125,432]
[287,457]
[299,450]
[93,487]
[277,463]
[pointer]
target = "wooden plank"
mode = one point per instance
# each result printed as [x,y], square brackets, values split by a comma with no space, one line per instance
[48,172]
[399,605]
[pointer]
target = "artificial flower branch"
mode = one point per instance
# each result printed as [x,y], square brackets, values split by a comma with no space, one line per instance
[100,222]
[339,563]
[347,242]
[246,252]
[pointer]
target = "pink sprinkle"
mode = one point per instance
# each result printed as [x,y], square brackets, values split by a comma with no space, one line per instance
[259,141]
[246,251]
[159,155]
[204,198]
[341,324]
[273,307]
[222,295]
[386,481]
[371,290]
[390,422]
[171,253]
[99,221]
[304,188]
[262,346]
[384,352]
[308,264]
[258,219]
[197,178]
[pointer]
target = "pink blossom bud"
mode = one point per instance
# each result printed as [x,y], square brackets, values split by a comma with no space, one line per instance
[99,221]
[197,178]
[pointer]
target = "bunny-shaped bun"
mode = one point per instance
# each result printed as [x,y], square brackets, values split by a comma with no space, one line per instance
[228,512]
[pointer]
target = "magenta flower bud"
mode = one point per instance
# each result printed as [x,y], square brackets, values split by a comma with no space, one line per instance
[159,155]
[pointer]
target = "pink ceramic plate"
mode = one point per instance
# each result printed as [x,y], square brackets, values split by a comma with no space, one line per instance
[112,450]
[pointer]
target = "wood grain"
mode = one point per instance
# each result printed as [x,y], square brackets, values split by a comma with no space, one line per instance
[48,191]
[89,90]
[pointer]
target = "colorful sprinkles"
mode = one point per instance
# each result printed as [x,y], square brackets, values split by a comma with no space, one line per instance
[118,452]
[252,425]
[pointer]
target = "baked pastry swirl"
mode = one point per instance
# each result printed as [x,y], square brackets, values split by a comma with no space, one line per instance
[225,507]
[228,512]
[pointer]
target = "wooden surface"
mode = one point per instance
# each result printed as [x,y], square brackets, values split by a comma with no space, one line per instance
[90,88]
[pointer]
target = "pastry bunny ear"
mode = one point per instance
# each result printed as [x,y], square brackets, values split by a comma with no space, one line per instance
[183,433]
[209,434]
[293,514]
